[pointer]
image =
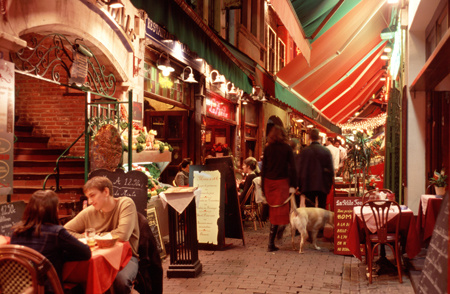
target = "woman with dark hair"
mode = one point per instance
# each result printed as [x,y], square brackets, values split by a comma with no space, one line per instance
[249,167]
[39,229]
[278,180]
[182,177]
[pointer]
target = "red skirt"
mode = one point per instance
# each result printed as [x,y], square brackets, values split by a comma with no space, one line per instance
[276,192]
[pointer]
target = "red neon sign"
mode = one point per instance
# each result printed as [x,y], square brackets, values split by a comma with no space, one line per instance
[218,108]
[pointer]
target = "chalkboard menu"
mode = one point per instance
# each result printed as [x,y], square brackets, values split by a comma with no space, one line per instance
[218,212]
[132,184]
[10,214]
[343,213]
[152,219]
[434,276]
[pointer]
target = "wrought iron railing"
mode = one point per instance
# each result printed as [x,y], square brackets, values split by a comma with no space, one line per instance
[56,170]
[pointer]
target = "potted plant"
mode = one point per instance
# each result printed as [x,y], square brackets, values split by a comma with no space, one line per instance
[439,181]
[220,149]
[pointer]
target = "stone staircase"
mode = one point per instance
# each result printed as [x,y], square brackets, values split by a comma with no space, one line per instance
[34,160]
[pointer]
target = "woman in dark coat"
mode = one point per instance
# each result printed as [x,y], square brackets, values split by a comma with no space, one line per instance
[278,180]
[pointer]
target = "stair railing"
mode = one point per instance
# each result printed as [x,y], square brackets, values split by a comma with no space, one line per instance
[56,172]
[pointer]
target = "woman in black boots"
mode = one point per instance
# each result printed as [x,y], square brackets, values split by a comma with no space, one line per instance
[278,180]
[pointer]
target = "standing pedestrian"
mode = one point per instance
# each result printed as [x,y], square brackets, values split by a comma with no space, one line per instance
[316,171]
[278,180]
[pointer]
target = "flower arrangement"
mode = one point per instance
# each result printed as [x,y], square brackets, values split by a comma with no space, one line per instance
[220,148]
[371,184]
[439,179]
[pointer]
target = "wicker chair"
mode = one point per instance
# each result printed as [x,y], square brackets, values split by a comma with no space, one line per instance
[24,270]
[380,210]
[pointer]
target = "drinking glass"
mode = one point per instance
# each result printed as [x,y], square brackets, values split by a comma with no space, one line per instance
[90,236]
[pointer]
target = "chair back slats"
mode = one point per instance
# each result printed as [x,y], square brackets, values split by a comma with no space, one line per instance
[380,210]
[23,267]
[248,195]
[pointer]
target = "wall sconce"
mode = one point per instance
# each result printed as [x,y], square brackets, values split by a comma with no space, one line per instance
[115,4]
[384,56]
[231,90]
[383,79]
[190,78]
[264,99]
[310,126]
[388,47]
[219,79]
[164,65]
[388,33]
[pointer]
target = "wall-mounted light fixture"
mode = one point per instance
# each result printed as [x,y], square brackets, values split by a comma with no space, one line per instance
[384,56]
[115,4]
[383,79]
[219,79]
[190,78]
[164,65]
[231,89]
[388,33]
[310,126]
[264,99]
[299,120]
[388,47]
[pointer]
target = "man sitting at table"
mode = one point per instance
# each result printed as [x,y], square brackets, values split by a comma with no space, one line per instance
[117,216]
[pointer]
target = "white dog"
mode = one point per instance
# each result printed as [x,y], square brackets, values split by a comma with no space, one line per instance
[306,219]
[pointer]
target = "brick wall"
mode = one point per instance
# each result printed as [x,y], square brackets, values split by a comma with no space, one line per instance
[44,105]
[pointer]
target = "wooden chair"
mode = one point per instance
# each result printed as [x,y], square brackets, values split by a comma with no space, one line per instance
[373,194]
[24,270]
[380,210]
[251,211]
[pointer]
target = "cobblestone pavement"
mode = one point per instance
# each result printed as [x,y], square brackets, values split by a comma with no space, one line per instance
[250,269]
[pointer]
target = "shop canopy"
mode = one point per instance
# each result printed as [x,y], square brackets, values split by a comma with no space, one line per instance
[180,20]
[345,66]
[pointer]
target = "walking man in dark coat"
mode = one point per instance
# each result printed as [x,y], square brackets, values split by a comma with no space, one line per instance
[315,170]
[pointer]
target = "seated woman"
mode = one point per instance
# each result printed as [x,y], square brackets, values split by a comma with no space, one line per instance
[40,230]
[250,167]
[182,177]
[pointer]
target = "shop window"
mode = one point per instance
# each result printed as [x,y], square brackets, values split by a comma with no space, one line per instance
[175,126]
[271,49]
[168,87]
[281,54]
[251,114]
[158,125]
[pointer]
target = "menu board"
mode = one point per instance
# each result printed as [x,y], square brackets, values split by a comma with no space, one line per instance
[208,209]
[153,222]
[343,214]
[434,277]
[10,214]
[132,184]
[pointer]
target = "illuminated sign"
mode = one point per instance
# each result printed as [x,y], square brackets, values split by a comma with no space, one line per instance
[217,107]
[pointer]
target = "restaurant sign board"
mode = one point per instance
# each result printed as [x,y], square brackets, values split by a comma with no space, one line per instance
[343,215]
[10,214]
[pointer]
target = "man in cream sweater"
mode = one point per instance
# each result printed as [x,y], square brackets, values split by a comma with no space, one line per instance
[107,214]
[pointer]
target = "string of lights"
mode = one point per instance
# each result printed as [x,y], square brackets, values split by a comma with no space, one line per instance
[368,124]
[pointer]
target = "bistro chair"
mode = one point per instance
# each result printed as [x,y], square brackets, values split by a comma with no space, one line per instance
[251,211]
[24,270]
[373,194]
[380,210]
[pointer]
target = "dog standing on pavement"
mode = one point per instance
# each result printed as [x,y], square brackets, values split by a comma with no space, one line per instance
[306,219]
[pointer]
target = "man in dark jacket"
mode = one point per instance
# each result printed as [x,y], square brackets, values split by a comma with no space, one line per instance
[315,170]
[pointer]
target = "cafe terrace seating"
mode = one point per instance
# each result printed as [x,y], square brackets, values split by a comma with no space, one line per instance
[24,270]
[251,210]
[378,234]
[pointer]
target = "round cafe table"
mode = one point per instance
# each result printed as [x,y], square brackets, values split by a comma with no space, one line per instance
[98,273]
[429,207]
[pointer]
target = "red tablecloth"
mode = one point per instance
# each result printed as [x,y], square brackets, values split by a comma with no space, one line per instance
[426,219]
[409,237]
[98,273]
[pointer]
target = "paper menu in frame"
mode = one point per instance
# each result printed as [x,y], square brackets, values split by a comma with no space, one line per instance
[208,209]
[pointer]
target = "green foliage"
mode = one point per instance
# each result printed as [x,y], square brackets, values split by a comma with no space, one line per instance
[439,179]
